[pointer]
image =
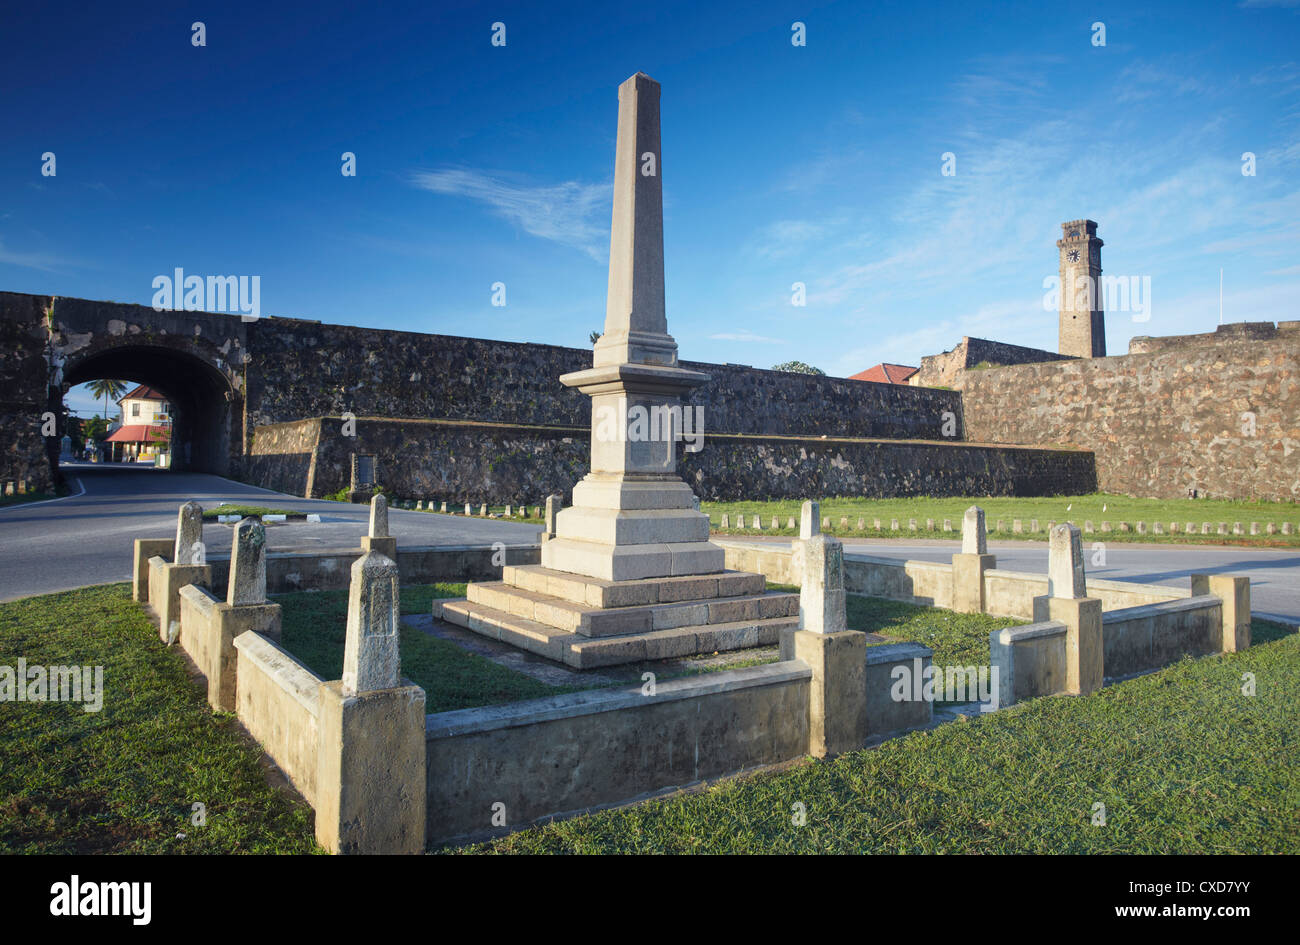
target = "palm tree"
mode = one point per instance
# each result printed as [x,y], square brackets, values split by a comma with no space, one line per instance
[107,389]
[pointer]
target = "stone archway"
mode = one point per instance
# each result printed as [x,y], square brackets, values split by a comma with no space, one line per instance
[206,408]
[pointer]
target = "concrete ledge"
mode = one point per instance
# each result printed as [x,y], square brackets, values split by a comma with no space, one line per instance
[165,583]
[573,705]
[209,628]
[1139,639]
[1011,593]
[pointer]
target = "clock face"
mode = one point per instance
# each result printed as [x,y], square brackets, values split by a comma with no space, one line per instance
[1072,255]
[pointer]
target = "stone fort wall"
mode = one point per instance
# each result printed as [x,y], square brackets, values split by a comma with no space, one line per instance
[946,369]
[474,462]
[304,369]
[1219,417]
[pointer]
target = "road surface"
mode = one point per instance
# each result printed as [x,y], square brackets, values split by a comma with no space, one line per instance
[87,539]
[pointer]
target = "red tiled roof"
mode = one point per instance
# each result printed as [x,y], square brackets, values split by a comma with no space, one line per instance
[886,374]
[143,392]
[138,433]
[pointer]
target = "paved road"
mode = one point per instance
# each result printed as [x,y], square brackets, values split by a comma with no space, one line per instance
[86,539]
[1274,572]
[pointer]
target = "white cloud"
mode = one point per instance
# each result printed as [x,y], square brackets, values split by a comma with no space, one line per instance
[570,213]
[41,261]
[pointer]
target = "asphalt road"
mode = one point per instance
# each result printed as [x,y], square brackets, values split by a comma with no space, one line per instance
[86,539]
[1274,572]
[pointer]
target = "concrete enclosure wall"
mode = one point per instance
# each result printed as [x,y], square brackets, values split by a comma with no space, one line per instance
[929,583]
[279,704]
[329,569]
[568,753]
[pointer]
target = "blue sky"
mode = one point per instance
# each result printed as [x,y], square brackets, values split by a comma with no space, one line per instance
[818,164]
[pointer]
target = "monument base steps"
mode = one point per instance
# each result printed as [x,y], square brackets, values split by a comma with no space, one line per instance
[588,622]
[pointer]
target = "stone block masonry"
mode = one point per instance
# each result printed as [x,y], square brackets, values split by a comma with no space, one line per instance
[464,461]
[1223,419]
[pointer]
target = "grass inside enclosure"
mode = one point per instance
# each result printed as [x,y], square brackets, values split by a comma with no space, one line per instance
[315,625]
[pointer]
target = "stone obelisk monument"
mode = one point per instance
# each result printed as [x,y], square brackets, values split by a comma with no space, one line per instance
[632,515]
[629,573]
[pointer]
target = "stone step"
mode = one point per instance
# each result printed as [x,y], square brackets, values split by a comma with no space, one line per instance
[600,593]
[583,652]
[620,621]
[507,627]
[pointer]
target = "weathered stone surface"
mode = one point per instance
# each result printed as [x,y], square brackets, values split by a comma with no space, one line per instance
[1065,575]
[1172,417]
[189,535]
[371,658]
[247,582]
[974,538]
[809,519]
[378,517]
[821,589]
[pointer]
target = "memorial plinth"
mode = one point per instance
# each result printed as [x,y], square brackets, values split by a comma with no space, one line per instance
[630,573]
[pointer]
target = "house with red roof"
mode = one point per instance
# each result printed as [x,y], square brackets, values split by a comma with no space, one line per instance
[145,430]
[886,374]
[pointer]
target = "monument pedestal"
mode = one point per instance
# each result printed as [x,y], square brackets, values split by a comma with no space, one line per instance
[585,622]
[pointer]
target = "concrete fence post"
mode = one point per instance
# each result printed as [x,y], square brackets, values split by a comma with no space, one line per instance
[245,609]
[969,566]
[837,710]
[142,551]
[1235,593]
[554,503]
[188,566]
[370,781]
[1066,602]
[377,537]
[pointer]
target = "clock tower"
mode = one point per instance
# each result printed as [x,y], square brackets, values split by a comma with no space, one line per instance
[1083,323]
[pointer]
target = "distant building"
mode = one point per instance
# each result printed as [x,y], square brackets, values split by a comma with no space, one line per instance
[145,427]
[886,374]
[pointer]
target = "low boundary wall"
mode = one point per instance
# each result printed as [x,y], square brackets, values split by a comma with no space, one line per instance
[328,569]
[279,704]
[929,583]
[564,754]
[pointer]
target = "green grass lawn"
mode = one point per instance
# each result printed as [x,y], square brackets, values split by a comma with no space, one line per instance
[1078,509]
[315,624]
[244,511]
[956,639]
[1182,761]
[125,779]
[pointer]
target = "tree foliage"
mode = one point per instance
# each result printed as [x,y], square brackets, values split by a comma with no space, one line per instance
[797,367]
